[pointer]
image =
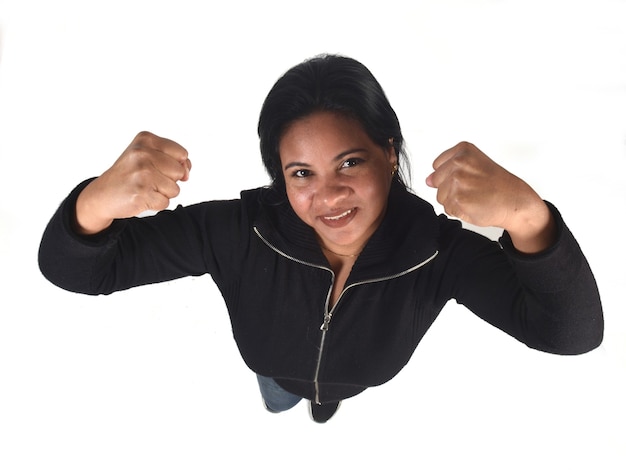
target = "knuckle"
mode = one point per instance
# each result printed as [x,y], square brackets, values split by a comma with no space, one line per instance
[140,156]
[465,146]
[457,182]
[144,137]
[463,160]
[142,179]
[455,179]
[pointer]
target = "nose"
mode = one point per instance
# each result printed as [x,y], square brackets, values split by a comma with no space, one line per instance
[332,192]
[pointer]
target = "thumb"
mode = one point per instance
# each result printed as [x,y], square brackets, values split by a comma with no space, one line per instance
[187,166]
[430,180]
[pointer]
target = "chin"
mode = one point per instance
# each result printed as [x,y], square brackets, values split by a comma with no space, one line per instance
[341,239]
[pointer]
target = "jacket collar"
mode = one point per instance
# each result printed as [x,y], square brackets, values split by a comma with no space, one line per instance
[406,237]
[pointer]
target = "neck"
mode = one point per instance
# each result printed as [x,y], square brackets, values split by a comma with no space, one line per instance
[341,254]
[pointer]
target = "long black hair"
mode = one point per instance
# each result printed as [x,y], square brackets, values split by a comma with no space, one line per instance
[327,83]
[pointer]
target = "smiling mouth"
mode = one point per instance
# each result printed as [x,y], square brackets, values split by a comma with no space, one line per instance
[340,216]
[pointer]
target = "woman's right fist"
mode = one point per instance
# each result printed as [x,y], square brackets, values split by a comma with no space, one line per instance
[145,177]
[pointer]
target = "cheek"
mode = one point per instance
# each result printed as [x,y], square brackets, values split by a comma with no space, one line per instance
[300,201]
[377,191]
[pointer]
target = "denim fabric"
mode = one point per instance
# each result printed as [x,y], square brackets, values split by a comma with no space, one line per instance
[276,398]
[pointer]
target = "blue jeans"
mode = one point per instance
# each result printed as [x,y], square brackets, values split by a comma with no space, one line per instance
[276,398]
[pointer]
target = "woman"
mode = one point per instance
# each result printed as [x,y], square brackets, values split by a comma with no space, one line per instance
[333,273]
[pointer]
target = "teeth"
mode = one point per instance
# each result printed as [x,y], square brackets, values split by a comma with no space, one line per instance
[337,217]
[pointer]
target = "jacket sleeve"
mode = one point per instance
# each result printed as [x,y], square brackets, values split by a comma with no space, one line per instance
[549,301]
[187,241]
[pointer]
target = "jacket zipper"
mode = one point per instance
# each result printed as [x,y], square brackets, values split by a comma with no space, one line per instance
[328,315]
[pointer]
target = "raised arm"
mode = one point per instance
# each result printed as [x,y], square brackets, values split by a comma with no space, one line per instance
[550,299]
[93,243]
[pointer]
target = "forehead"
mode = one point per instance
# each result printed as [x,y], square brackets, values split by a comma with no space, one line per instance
[322,132]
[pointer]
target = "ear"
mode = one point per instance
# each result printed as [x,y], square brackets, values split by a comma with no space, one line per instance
[391,153]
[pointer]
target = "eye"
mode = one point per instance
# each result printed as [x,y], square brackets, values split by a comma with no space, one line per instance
[301,173]
[350,162]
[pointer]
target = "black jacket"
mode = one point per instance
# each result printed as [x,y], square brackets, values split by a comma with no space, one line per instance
[276,284]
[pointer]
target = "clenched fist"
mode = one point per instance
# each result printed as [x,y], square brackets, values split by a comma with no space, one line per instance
[473,188]
[145,177]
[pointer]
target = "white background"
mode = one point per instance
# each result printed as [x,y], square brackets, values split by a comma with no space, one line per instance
[151,378]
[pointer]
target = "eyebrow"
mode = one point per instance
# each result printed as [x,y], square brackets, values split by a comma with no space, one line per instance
[338,157]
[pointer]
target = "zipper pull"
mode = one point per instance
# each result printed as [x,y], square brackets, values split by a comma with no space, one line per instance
[327,318]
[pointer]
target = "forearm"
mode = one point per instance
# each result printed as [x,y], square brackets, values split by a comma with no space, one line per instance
[561,311]
[548,300]
[87,219]
[533,228]
[66,258]
[137,251]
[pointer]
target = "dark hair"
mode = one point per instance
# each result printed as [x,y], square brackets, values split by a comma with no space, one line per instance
[326,83]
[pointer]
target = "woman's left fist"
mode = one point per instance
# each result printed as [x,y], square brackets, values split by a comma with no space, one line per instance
[474,188]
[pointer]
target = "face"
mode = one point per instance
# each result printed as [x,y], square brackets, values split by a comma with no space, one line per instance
[337,179]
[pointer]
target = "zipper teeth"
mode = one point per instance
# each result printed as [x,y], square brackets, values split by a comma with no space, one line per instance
[299,261]
[317,368]
[328,315]
[327,318]
[393,276]
[280,252]
[380,279]
[368,281]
